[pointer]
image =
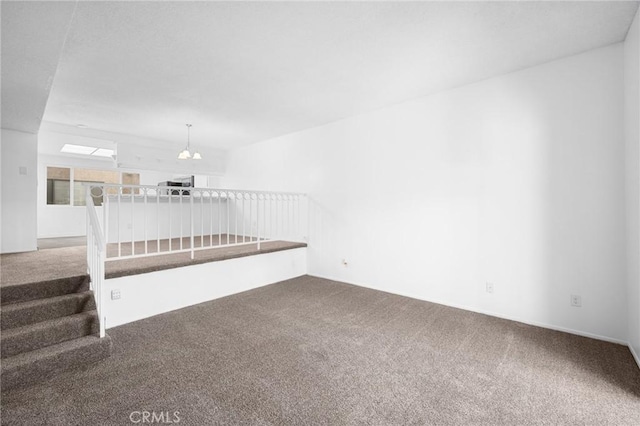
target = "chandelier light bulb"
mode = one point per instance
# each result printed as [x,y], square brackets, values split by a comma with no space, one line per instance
[186,153]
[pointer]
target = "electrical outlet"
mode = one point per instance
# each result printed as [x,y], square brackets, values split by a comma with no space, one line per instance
[576,300]
[115,294]
[489,287]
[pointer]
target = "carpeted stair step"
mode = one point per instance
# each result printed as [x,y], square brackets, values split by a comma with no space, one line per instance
[35,366]
[14,293]
[34,311]
[47,333]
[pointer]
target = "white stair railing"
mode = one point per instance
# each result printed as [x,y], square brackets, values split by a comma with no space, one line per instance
[147,220]
[96,255]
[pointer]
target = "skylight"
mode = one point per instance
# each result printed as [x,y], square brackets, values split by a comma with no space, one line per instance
[78,149]
[86,150]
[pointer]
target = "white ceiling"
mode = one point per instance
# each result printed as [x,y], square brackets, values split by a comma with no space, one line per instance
[245,72]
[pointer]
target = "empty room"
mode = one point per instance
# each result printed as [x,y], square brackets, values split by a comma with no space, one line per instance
[320,213]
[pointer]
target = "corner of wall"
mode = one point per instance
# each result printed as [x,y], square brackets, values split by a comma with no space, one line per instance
[632,171]
[19,191]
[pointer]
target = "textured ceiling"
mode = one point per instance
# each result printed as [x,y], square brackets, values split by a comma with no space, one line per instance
[33,36]
[245,72]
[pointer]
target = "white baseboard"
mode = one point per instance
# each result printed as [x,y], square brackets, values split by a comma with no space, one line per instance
[493,314]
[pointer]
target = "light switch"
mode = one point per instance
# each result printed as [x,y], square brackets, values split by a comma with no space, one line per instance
[22,170]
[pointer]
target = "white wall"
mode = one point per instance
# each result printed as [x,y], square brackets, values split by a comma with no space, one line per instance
[19,153]
[151,294]
[632,155]
[517,180]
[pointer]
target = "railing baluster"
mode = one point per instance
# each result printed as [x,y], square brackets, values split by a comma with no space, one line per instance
[258,219]
[191,196]
[158,220]
[119,219]
[103,318]
[88,219]
[211,218]
[269,216]
[144,223]
[133,220]
[219,220]
[105,215]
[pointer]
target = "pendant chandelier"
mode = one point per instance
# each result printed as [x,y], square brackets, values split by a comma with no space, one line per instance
[186,153]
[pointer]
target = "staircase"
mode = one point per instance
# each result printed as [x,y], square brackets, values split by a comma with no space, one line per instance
[47,327]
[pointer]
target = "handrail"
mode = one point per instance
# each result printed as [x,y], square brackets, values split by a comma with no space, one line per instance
[193,188]
[96,255]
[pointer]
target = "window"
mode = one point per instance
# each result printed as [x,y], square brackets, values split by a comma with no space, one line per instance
[65,186]
[58,185]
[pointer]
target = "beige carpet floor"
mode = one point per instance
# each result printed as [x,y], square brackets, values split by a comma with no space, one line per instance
[59,242]
[309,351]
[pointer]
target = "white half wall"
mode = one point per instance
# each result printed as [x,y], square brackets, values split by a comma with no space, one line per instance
[154,293]
[164,217]
[517,180]
[19,152]
[632,156]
